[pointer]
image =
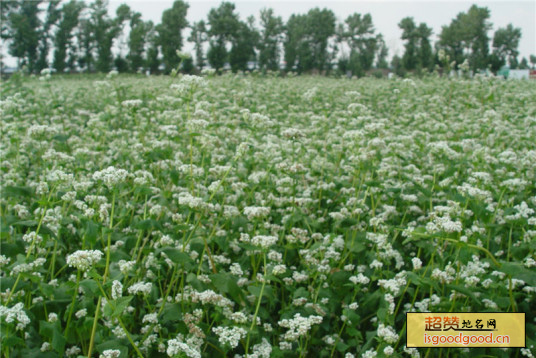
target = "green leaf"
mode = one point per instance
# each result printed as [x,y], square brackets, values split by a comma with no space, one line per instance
[26,223]
[12,341]
[464,290]
[176,255]
[120,305]
[113,345]
[226,283]
[90,287]
[58,341]
[171,313]
[256,291]
[17,191]
[148,224]
[518,271]
[108,309]
[92,231]
[143,190]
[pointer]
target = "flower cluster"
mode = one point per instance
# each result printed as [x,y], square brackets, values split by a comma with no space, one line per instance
[83,260]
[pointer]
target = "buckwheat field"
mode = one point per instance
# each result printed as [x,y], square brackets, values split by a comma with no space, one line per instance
[244,216]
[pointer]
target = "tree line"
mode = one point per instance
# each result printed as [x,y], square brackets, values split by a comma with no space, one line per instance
[80,37]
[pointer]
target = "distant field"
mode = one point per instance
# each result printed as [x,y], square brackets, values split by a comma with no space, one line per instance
[261,217]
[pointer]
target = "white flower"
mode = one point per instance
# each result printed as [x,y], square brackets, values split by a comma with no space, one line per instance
[73,351]
[132,103]
[52,317]
[176,346]
[298,326]
[81,313]
[84,259]
[117,290]
[371,353]
[111,176]
[388,350]
[15,314]
[150,318]
[110,353]
[256,212]
[45,347]
[387,333]
[417,263]
[262,350]
[292,133]
[140,288]
[264,241]
[188,84]
[359,279]
[230,335]
[126,266]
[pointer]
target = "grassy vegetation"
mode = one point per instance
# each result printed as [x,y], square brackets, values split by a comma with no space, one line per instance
[261,217]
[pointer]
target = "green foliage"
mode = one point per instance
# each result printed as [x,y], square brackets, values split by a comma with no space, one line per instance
[21,25]
[225,27]
[164,213]
[270,40]
[64,54]
[198,36]
[306,44]
[244,43]
[140,31]
[467,38]
[418,51]
[505,44]
[52,17]
[217,55]
[170,33]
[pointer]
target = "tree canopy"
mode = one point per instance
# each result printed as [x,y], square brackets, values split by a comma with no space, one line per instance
[75,36]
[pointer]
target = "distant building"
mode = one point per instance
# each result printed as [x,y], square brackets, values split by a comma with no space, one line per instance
[506,72]
[519,74]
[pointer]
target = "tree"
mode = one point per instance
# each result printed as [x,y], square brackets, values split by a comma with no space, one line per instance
[69,15]
[21,26]
[426,56]
[467,37]
[100,31]
[505,44]
[322,27]
[410,59]
[418,50]
[151,57]
[383,52]
[170,33]
[86,44]
[53,15]
[307,39]
[297,52]
[270,40]
[137,39]
[359,34]
[198,36]
[244,43]
[224,26]
[396,65]
[524,64]
[532,60]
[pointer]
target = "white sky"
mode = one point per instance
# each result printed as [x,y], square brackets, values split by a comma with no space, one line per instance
[385,14]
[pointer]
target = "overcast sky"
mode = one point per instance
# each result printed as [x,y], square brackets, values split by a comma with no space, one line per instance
[385,15]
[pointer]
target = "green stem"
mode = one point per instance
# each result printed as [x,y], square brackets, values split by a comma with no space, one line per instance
[106,270]
[254,321]
[71,309]
[94,329]
[27,255]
